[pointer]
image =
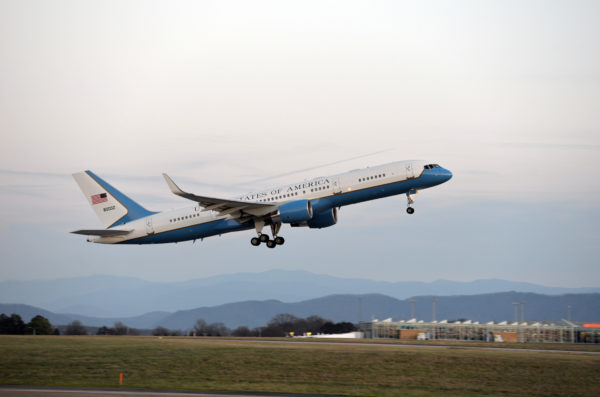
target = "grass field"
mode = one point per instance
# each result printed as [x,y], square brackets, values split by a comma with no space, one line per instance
[355,370]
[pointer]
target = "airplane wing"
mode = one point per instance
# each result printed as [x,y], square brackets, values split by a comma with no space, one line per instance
[103,232]
[223,206]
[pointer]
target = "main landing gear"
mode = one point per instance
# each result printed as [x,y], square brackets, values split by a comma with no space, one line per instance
[264,238]
[410,201]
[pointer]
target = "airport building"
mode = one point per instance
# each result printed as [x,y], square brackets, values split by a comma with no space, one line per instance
[526,332]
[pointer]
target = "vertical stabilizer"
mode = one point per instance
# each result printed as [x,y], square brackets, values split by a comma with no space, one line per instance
[110,205]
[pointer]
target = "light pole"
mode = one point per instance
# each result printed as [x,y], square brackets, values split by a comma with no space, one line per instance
[433,300]
[516,305]
[412,308]
[569,312]
[522,310]
[359,309]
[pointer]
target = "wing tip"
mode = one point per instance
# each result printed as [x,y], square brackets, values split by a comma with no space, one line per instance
[172,185]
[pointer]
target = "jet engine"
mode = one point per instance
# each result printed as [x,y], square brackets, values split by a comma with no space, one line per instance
[296,211]
[323,219]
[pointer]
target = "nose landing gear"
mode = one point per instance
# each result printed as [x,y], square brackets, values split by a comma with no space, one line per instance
[410,201]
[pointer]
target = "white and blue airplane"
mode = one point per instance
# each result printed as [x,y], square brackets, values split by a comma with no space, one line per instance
[312,203]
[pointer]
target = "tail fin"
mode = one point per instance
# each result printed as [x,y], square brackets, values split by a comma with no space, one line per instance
[110,205]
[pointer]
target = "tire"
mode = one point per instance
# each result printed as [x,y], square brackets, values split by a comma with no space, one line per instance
[263,238]
[410,210]
[279,240]
[255,241]
[271,244]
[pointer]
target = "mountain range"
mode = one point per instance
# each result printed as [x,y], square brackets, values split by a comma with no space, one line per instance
[120,297]
[483,307]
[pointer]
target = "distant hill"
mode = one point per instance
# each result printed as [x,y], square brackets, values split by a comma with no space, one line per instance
[484,307]
[105,295]
[27,312]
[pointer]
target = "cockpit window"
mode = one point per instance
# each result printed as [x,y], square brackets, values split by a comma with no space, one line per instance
[432,166]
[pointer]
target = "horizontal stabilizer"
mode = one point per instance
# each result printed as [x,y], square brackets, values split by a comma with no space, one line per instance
[103,232]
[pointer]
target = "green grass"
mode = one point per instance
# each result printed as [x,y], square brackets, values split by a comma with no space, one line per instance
[361,370]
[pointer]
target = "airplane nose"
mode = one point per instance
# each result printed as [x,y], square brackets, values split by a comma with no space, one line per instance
[446,174]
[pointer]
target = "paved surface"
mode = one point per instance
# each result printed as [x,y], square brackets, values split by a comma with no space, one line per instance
[400,346]
[30,391]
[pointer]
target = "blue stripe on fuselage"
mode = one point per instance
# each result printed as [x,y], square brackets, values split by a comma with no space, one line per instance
[193,232]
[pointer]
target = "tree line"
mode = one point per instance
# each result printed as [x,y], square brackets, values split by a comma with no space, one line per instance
[283,324]
[14,325]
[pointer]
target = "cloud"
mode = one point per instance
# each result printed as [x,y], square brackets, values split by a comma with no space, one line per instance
[543,145]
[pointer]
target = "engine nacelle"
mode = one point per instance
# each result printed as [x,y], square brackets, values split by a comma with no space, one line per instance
[323,219]
[296,212]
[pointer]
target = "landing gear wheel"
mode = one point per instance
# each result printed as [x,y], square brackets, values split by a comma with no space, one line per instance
[279,240]
[271,244]
[255,241]
[263,238]
[410,210]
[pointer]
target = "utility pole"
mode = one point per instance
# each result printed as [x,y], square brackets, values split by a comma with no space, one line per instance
[412,308]
[516,305]
[522,310]
[433,300]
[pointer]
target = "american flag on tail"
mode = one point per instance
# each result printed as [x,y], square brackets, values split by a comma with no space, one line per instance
[99,198]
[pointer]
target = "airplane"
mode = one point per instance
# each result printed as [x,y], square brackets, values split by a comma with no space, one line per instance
[311,203]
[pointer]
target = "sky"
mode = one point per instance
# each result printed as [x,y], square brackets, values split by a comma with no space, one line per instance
[234,96]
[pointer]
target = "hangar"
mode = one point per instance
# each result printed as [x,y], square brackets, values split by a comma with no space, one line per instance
[525,332]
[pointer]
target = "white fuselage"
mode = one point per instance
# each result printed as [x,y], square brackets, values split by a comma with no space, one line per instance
[324,192]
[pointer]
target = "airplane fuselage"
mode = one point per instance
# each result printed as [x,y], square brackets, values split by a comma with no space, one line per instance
[325,195]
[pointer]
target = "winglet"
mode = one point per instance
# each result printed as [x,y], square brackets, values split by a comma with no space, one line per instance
[174,188]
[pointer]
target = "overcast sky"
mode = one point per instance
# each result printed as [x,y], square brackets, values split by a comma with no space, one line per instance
[226,96]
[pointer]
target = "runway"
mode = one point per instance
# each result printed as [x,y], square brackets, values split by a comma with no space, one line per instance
[407,345]
[31,391]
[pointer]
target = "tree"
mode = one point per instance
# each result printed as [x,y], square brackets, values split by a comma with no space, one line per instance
[284,320]
[104,330]
[76,328]
[121,329]
[242,331]
[40,325]
[12,325]
[337,328]
[272,331]
[218,329]
[314,324]
[161,331]
[200,328]
[4,324]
